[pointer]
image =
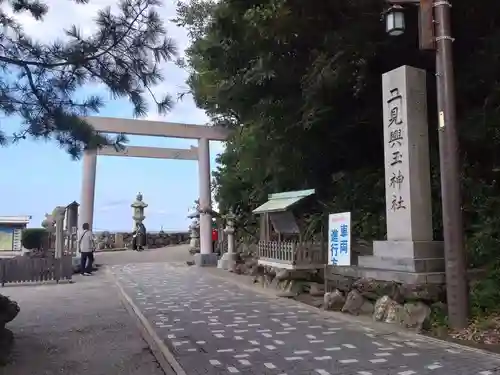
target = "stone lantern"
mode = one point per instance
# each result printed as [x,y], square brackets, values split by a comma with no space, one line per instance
[138,207]
[228,260]
[194,229]
[194,235]
[48,223]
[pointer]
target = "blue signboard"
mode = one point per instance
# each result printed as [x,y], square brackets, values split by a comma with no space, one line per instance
[339,239]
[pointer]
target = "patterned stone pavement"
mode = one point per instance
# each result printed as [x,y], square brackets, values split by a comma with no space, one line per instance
[214,327]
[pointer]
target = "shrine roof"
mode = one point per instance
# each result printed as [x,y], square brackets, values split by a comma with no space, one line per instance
[283,201]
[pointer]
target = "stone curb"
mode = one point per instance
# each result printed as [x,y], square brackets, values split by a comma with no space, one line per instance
[111,250]
[381,327]
[163,355]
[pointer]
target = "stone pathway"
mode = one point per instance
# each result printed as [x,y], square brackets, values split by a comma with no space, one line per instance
[214,327]
[76,329]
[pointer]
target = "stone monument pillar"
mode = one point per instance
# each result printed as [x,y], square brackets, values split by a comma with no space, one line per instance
[228,259]
[409,250]
[72,226]
[58,215]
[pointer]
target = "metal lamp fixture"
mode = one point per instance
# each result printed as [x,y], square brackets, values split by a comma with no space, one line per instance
[395,20]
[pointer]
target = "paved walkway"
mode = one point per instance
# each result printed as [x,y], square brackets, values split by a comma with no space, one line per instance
[78,329]
[213,327]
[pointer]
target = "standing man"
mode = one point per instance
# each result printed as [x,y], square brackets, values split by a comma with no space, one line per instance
[215,238]
[87,246]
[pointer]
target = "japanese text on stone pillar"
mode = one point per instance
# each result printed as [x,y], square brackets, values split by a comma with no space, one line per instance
[396,141]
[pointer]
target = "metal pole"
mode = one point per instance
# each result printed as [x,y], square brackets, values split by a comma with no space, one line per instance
[454,251]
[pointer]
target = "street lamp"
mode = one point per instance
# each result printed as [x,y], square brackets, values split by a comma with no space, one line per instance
[395,20]
[435,34]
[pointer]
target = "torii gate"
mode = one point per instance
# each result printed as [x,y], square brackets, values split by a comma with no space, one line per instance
[203,134]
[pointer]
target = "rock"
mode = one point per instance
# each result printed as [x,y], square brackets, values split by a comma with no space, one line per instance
[257,279]
[251,262]
[394,313]
[380,308]
[374,289]
[8,310]
[263,280]
[294,274]
[288,288]
[334,300]
[316,290]
[429,293]
[6,344]
[353,303]
[238,269]
[270,272]
[414,315]
[282,275]
[254,271]
[366,308]
[340,282]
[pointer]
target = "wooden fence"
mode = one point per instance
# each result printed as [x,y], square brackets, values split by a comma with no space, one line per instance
[292,255]
[25,269]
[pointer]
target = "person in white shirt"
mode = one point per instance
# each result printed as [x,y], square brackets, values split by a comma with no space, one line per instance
[87,247]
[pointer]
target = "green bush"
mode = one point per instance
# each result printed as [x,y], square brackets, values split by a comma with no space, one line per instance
[34,238]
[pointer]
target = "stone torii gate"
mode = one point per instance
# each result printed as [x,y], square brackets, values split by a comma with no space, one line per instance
[203,134]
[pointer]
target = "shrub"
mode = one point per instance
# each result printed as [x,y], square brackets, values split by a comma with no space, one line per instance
[34,238]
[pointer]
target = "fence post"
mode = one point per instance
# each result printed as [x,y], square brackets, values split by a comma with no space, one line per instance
[3,273]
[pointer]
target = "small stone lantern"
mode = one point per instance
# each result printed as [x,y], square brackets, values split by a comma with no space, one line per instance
[228,260]
[194,234]
[138,207]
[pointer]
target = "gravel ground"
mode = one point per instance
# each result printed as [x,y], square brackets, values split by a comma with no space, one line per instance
[78,329]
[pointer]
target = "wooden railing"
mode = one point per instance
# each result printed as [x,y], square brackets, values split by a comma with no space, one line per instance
[294,254]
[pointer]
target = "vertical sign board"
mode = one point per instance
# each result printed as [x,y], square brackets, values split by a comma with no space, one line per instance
[339,239]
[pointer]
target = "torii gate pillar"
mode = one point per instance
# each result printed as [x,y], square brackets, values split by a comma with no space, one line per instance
[88,188]
[206,256]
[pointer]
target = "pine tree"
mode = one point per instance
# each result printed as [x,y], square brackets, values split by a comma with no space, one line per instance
[39,81]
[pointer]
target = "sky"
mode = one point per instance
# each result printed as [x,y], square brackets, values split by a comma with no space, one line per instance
[38,176]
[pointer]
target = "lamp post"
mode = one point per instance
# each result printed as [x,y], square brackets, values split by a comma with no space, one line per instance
[395,20]
[435,34]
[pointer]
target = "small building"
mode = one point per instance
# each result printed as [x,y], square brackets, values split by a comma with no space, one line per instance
[11,228]
[281,242]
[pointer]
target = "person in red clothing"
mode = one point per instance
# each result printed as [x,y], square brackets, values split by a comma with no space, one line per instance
[215,237]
